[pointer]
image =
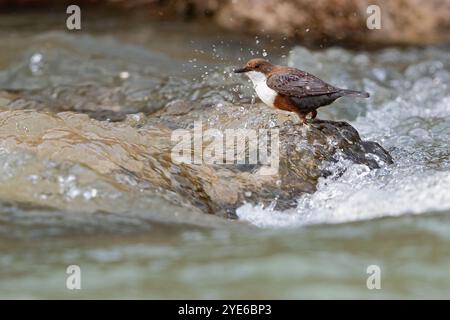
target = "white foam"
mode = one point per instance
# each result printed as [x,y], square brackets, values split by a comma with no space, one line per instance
[360,195]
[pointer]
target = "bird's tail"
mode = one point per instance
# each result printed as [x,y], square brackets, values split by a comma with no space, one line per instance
[354,93]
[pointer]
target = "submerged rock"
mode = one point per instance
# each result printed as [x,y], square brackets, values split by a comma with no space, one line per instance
[140,150]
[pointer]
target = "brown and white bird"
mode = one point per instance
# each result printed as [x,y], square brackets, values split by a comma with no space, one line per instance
[291,89]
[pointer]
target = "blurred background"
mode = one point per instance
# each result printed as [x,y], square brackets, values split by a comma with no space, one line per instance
[86,177]
[322,22]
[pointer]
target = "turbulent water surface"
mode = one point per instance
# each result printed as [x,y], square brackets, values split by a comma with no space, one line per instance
[136,241]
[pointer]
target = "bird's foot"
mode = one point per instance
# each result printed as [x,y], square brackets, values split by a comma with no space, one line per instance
[304,120]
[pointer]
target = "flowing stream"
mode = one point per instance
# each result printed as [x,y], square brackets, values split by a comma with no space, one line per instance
[134,241]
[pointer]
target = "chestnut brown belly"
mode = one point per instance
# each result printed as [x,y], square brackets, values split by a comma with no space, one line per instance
[304,105]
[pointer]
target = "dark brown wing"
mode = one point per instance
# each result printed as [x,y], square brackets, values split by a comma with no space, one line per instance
[296,83]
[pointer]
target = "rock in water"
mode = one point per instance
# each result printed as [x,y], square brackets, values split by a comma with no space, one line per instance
[303,151]
[142,151]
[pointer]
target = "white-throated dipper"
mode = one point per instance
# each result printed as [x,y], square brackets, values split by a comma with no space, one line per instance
[291,89]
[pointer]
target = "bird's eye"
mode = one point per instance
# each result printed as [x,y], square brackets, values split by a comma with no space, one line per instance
[257,66]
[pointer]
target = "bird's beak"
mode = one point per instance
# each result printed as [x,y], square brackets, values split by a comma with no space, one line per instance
[241,70]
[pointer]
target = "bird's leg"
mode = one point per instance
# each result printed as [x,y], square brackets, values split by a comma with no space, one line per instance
[302,117]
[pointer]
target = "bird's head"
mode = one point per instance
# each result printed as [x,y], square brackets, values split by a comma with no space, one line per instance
[257,65]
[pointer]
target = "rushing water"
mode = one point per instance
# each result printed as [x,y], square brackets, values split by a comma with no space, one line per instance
[138,243]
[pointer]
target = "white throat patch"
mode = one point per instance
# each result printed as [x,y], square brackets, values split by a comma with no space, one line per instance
[266,94]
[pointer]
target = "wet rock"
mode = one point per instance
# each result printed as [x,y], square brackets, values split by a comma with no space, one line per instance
[141,150]
[302,149]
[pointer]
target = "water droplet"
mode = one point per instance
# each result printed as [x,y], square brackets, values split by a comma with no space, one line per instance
[124,75]
[36,64]
[90,194]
